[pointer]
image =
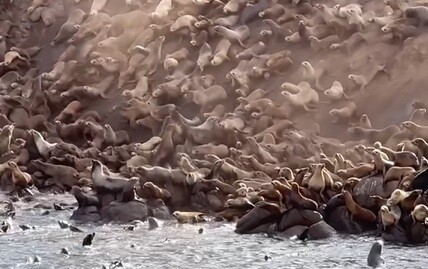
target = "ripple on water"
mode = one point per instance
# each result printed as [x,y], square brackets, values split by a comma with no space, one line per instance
[181,246]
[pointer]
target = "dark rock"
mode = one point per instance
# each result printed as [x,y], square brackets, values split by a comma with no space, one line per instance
[86,214]
[295,217]
[253,219]
[293,231]
[369,186]
[64,251]
[321,230]
[75,229]
[340,220]
[125,212]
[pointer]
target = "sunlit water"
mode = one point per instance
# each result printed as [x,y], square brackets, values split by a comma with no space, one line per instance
[174,245]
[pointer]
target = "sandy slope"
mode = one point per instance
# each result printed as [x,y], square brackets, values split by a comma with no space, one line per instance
[388,96]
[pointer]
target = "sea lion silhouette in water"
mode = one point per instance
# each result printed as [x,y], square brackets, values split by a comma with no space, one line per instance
[375,259]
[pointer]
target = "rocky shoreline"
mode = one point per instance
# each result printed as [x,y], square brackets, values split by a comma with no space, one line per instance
[171,109]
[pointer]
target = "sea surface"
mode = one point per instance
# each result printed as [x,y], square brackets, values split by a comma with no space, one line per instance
[174,245]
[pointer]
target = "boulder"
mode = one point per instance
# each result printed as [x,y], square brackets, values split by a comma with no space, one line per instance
[295,217]
[125,212]
[372,185]
[339,219]
[86,214]
[253,219]
[321,230]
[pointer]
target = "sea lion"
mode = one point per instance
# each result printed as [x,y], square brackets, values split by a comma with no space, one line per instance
[184,21]
[75,17]
[324,43]
[307,97]
[346,113]
[5,139]
[419,13]
[375,259]
[336,92]
[207,98]
[396,197]
[318,182]
[62,176]
[298,200]
[162,10]
[105,182]
[205,56]
[239,35]
[389,217]
[417,130]
[152,223]
[43,147]
[128,192]
[397,173]
[358,212]
[198,40]
[21,180]
[69,112]
[420,213]
[373,135]
[188,217]
[84,199]
[221,51]
[154,192]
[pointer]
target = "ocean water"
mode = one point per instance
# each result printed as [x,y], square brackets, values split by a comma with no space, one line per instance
[174,245]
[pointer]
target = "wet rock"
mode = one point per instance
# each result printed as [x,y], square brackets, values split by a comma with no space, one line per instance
[253,219]
[46,213]
[25,227]
[86,214]
[159,210]
[340,220]
[293,231]
[125,212]
[64,251]
[75,229]
[200,231]
[106,199]
[42,206]
[321,230]
[295,217]
[369,186]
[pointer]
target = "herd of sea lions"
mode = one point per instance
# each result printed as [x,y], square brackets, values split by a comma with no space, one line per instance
[219,140]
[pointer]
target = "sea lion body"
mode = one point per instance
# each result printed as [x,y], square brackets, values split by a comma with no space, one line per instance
[188,217]
[356,210]
[104,182]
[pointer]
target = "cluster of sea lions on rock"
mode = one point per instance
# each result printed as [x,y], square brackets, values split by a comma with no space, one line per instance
[230,115]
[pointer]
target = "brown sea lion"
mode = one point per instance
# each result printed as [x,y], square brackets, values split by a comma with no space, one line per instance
[358,212]
[155,192]
[62,176]
[21,180]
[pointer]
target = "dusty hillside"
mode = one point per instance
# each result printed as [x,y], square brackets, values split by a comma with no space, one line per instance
[386,101]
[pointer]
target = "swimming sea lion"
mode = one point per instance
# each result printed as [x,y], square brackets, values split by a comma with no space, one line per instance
[375,259]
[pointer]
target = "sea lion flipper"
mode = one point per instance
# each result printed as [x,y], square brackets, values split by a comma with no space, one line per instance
[27,190]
